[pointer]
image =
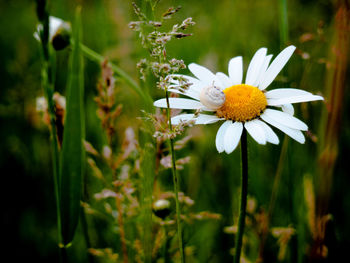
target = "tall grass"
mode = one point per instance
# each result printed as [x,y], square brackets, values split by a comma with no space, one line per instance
[126,174]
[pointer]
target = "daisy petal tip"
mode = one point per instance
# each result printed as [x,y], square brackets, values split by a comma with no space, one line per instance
[292,48]
[277,142]
[219,150]
[156,103]
[228,151]
[263,49]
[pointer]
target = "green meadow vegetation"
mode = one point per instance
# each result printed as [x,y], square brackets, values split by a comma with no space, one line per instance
[93,172]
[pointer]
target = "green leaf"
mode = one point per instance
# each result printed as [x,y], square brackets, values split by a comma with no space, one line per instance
[73,153]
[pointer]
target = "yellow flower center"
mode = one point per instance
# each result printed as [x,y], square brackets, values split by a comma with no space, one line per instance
[243,103]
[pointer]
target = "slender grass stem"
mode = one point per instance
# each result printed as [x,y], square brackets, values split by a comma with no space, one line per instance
[278,177]
[244,192]
[176,182]
[283,14]
[121,228]
[94,56]
[48,83]
[166,245]
[283,30]
[54,144]
[55,162]
[273,197]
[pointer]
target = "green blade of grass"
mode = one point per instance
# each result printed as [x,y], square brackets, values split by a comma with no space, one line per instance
[73,154]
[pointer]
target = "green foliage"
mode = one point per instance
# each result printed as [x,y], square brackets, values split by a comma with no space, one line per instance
[223,29]
[72,165]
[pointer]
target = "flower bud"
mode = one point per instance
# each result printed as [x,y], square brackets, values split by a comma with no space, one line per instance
[59,33]
[161,208]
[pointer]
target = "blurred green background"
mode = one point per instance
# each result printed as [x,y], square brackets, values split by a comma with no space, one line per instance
[223,29]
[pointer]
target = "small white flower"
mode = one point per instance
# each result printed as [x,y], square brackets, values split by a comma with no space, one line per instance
[245,105]
[59,32]
[55,24]
[41,104]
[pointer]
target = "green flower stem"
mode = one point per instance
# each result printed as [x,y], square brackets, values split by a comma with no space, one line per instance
[277,179]
[92,55]
[48,86]
[54,145]
[244,192]
[283,16]
[166,257]
[176,182]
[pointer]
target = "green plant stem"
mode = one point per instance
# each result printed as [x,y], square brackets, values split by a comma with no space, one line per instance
[48,86]
[278,176]
[283,14]
[244,192]
[47,83]
[166,257]
[92,55]
[54,144]
[175,181]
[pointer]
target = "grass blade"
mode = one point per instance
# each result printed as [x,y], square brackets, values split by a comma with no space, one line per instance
[73,154]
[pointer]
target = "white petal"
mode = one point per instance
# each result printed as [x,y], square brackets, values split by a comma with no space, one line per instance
[295,134]
[285,93]
[202,73]
[288,108]
[232,135]
[179,103]
[218,83]
[188,92]
[269,133]
[36,34]
[206,119]
[200,119]
[262,71]
[181,118]
[256,131]
[295,99]
[225,80]
[255,66]
[276,66]
[55,23]
[286,119]
[219,140]
[235,70]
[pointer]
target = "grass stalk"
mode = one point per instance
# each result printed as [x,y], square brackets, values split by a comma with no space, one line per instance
[243,201]
[283,15]
[48,86]
[283,29]
[176,182]
[94,56]
[121,228]
[278,177]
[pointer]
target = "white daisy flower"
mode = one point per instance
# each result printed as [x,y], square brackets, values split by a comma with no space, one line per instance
[241,105]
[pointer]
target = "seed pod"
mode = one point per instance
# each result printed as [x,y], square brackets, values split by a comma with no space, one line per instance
[161,208]
[59,33]
[61,39]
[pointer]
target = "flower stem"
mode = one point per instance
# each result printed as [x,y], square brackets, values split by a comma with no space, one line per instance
[244,192]
[121,228]
[176,182]
[48,74]
[283,13]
